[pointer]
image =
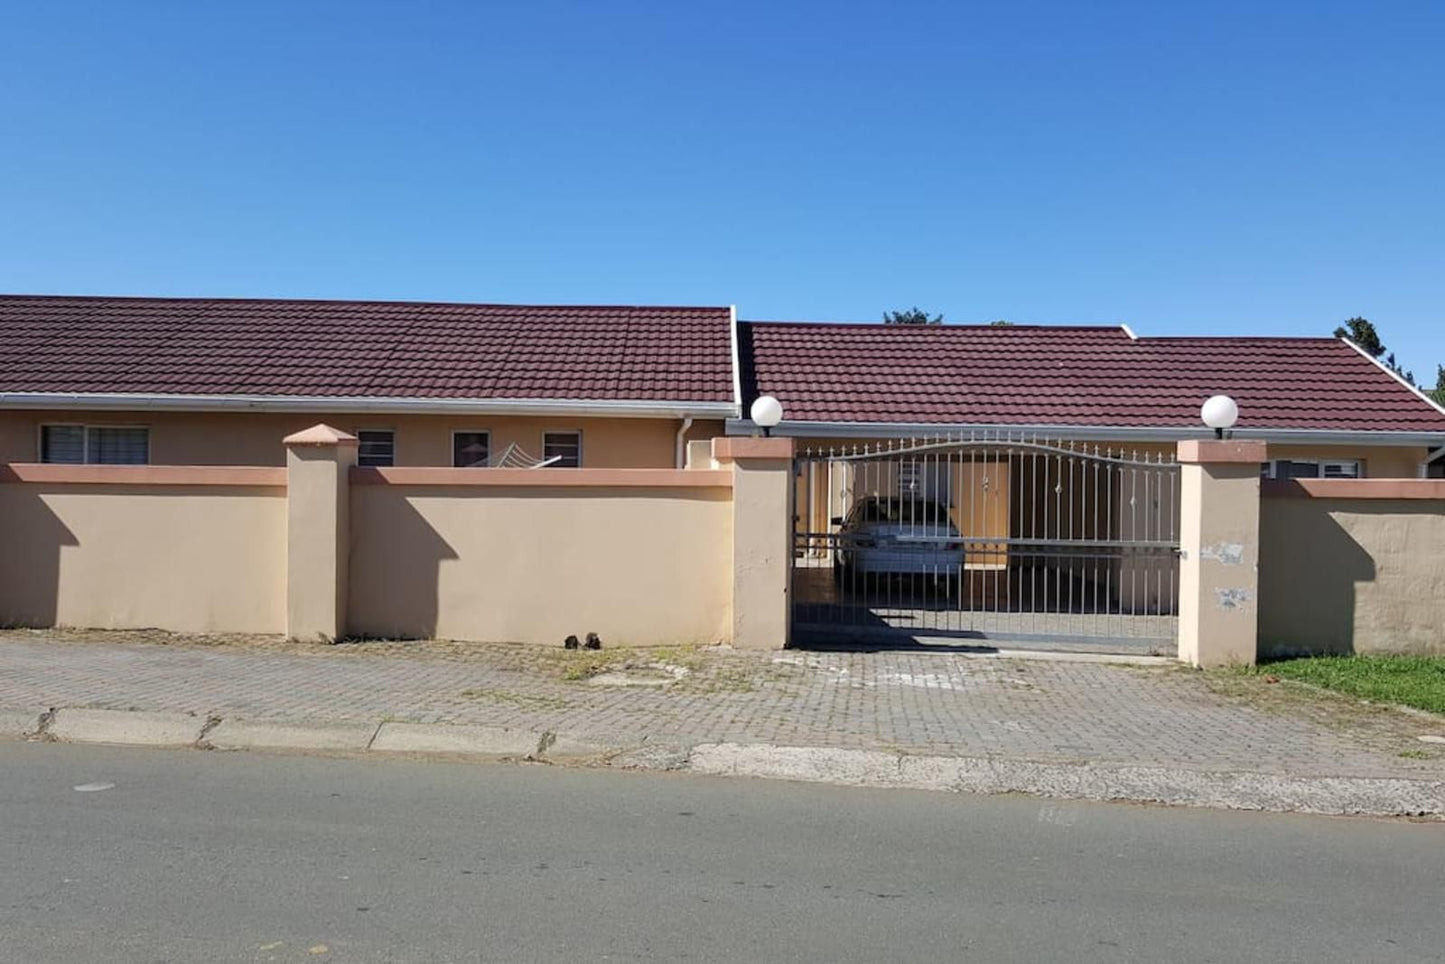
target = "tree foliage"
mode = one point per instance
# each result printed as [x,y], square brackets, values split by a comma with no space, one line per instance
[913,316]
[1001,323]
[1362,333]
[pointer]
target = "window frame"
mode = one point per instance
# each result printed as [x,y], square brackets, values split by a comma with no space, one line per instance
[1270,469]
[563,431]
[470,431]
[85,429]
[389,431]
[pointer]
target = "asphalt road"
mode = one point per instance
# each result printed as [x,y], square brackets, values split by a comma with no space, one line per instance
[197,856]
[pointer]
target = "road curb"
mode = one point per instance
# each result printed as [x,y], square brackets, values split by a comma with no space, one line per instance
[1164,785]
[1173,786]
[127,727]
[251,735]
[19,724]
[489,741]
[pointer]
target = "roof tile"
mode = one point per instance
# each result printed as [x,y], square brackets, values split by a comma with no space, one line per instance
[357,348]
[1061,376]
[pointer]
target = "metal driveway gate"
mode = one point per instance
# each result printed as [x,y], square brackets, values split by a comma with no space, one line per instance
[994,537]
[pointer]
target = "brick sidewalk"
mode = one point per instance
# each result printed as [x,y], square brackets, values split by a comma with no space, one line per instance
[923,702]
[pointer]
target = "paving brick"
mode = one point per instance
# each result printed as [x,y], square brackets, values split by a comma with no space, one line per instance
[932,703]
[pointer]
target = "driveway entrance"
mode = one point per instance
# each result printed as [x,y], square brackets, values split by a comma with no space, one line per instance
[999,539]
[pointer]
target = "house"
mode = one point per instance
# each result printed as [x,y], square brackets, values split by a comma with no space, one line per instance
[1040,462]
[1050,450]
[1326,408]
[222,382]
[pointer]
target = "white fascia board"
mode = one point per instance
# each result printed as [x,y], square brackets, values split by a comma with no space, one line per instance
[614,408]
[1395,375]
[1130,332]
[737,362]
[1091,433]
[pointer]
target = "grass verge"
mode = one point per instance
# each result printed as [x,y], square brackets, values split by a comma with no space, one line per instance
[1417,681]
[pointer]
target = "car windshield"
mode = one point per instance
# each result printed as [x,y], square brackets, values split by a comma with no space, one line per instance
[913,511]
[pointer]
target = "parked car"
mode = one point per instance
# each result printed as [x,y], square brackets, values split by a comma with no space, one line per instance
[897,535]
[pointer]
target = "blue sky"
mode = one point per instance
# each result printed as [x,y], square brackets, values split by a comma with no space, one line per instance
[1210,168]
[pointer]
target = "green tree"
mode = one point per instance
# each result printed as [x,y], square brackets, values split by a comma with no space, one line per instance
[1363,334]
[1438,392]
[913,316]
[1001,323]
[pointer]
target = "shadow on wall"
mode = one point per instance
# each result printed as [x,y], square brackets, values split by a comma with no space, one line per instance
[31,539]
[1309,571]
[394,570]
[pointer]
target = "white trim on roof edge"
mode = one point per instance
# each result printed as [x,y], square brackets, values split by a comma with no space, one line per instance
[1395,375]
[737,363]
[616,408]
[1091,433]
[1130,332]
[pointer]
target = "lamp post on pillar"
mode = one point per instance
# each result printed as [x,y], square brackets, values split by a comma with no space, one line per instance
[766,413]
[1219,412]
[1219,542]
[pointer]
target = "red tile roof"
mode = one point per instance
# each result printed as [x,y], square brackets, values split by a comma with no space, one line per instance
[1058,376]
[195,346]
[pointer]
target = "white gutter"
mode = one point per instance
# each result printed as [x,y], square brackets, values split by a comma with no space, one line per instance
[1091,433]
[616,408]
[680,447]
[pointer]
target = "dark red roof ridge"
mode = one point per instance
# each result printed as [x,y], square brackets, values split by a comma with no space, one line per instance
[359,301]
[1216,339]
[979,326]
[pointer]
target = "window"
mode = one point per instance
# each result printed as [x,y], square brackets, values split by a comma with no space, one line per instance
[471,449]
[378,447]
[94,444]
[565,447]
[1311,469]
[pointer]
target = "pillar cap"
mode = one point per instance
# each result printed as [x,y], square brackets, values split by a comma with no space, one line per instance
[321,435]
[1201,451]
[730,448]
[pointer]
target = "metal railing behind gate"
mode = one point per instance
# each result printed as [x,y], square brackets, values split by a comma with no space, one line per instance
[994,536]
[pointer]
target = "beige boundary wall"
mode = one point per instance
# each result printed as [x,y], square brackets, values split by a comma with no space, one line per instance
[324,548]
[183,548]
[640,557]
[1352,566]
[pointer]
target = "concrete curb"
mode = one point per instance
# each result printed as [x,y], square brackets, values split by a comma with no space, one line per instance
[242,735]
[129,727]
[18,724]
[490,741]
[1172,786]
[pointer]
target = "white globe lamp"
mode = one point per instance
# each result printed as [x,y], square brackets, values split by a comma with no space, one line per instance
[1219,412]
[766,412]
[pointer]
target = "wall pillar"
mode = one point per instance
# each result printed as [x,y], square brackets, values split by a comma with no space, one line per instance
[762,537]
[317,531]
[1219,552]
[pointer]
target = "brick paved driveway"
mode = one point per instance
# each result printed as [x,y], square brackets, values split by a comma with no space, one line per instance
[926,702]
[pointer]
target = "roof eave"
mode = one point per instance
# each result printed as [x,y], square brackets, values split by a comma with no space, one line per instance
[1092,433]
[609,408]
